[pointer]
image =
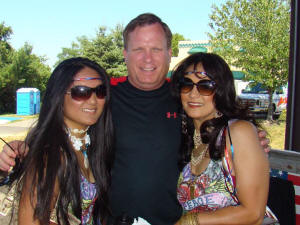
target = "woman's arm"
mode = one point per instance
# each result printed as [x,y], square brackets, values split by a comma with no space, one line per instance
[251,170]
[27,205]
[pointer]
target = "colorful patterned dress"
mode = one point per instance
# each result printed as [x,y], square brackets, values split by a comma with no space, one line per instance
[88,193]
[205,192]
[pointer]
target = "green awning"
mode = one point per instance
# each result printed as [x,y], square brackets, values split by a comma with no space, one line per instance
[197,49]
[238,75]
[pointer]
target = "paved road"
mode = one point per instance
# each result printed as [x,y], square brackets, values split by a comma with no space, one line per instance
[17,127]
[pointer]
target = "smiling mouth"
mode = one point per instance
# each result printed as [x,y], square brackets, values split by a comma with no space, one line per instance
[148,69]
[89,110]
[195,104]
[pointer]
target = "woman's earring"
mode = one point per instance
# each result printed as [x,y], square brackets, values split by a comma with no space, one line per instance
[218,114]
[184,124]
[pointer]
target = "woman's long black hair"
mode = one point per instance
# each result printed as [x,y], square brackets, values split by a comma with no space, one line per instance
[52,157]
[225,101]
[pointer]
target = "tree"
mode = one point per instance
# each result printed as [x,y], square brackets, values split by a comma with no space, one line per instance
[175,40]
[254,35]
[106,49]
[24,70]
[5,48]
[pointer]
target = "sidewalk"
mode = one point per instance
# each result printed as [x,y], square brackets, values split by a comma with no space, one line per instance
[17,127]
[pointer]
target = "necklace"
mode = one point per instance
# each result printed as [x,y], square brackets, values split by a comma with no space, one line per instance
[77,131]
[85,156]
[78,143]
[197,143]
[197,139]
[196,160]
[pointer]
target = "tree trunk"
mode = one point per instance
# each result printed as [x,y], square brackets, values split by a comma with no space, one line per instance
[270,107]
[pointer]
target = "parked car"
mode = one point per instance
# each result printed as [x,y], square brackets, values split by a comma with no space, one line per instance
[256,97]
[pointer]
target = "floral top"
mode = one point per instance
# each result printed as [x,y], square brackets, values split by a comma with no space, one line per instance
[88,197]
[205,192]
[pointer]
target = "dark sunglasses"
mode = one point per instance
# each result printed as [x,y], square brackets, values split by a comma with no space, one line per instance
[81,93]
[204,87]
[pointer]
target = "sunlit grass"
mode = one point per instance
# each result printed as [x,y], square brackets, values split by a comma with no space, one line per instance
[20,136]
[21,116]
[276,131]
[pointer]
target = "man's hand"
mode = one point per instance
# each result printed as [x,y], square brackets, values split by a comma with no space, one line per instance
[264,141]
[8,155]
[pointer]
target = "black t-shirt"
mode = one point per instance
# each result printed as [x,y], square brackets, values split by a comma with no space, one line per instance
[145,171]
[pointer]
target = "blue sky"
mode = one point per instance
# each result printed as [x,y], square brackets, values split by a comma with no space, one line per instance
[50,25]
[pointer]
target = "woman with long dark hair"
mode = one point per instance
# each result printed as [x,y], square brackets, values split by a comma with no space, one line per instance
[225,173]
[66,173]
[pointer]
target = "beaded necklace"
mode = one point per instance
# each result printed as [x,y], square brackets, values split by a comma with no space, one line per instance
[197,142]
[78,142]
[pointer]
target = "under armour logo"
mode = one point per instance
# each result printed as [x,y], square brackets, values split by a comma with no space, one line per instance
[169,115]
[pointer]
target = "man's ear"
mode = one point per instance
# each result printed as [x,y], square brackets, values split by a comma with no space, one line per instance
[125,55]
[170,54]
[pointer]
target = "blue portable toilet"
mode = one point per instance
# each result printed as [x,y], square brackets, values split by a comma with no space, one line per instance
[25,101]
[36,100]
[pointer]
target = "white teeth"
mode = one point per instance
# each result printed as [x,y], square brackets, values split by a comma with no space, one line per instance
[195,104]
[148,69]
[88,110]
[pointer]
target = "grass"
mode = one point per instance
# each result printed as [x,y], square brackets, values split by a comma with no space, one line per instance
[276,131]
[21,116]
[20,136]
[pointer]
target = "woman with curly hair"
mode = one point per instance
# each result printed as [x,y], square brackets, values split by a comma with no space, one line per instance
[225,175]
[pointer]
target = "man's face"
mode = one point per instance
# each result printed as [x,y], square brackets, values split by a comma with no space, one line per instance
[147,57]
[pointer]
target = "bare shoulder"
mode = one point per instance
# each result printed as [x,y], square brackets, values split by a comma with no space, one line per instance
[242,128]
[245,139]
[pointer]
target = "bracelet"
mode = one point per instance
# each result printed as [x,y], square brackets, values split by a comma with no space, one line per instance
[189,219]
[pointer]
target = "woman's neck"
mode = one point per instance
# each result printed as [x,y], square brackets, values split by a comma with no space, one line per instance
[197,124]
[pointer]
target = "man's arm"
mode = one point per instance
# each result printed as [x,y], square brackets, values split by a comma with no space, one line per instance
[8,155]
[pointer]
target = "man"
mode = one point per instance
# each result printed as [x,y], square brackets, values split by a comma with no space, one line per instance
[147,126]
[145,116]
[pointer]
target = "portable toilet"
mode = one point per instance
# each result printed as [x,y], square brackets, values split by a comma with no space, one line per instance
[36,100]
[25,103]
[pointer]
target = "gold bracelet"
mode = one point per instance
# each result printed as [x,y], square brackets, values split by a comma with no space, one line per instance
[189,219]
[196,219]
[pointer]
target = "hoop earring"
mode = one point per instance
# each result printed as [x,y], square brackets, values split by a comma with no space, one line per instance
[218,114]
[184,123]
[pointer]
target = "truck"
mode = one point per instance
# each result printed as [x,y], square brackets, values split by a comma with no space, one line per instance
[256,97]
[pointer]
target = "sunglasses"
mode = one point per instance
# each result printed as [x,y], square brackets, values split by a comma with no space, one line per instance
[82,93]
[204,87]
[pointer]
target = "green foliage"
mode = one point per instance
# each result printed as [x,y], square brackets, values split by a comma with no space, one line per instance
[5,48]
[282,116]
[23,70]
[175,39]
[253,35]
[106,49]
